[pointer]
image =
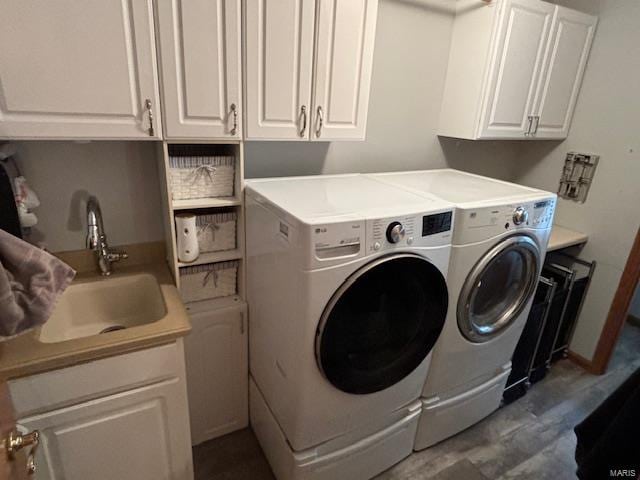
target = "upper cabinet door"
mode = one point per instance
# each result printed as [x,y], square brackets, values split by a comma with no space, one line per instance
[521,42]
[571,38]
[344,58]
[279,51]
[200,68]
[72,69]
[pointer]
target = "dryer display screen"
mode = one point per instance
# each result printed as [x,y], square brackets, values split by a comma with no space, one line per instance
[432,224]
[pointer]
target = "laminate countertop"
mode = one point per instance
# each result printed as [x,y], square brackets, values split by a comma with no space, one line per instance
[562,237]
[26,355]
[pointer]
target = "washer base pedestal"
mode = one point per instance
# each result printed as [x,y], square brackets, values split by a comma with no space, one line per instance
[355,456]
[441,419]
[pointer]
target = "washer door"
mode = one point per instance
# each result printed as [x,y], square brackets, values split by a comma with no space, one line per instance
[498,288]
[381,323]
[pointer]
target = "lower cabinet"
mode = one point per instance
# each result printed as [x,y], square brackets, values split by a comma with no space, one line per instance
[132,435]
[217,370]
[122,417]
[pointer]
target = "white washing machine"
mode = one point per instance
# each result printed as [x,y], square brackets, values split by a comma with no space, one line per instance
[499,243]
[347,296]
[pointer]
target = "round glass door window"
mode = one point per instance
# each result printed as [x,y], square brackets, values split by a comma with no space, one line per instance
[381,323]
[498,288]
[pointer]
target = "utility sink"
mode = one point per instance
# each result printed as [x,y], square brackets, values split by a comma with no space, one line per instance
[103,305]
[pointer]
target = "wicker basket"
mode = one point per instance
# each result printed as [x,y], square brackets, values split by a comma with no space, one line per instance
[204,282]
[216,231]
[201,177]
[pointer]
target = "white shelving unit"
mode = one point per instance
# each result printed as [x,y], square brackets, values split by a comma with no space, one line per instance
[205,205]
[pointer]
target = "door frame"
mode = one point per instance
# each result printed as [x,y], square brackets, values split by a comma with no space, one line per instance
[617,314]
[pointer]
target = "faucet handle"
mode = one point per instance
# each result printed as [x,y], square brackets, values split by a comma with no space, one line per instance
[116,255]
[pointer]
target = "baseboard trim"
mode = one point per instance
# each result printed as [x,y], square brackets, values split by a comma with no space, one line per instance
[583,363]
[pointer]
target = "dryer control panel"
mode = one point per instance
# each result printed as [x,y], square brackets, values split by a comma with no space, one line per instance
[476,224]
[542,213]
[421,230]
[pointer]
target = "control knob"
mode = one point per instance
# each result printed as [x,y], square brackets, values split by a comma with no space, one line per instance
[520,216]
[395,232]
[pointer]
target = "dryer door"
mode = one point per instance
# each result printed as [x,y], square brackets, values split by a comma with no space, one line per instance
[498,288]
[381,323]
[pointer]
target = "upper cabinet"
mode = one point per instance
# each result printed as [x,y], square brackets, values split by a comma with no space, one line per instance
[199,50]
[515,69]
[520,47]
[308,68]
[73,69]
[559,84]
[278,65]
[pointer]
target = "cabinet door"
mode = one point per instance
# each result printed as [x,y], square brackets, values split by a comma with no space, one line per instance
[78,70]
[217,372]
[571,37]
[278,59]
[139,434]
[200,66]
[344,58]
[519,47]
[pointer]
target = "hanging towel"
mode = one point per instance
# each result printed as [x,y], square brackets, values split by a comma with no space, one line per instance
[9,219]
[31,280]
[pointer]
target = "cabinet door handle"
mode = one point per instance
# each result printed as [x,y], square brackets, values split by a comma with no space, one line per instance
[527,133]
[147,105]
[537,119]
[16,442]
[241,323]
[303,114]
[234,112]
[320,122]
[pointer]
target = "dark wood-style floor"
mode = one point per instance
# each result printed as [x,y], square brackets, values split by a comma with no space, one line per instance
[531,438]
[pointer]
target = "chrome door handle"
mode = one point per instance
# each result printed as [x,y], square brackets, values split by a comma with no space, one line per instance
[527,133]
[147,105]
[234,111]
[16,442]
[303,114]
[320,122]
[537,119]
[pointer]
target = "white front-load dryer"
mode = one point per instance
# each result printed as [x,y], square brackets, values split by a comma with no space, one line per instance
[347,297]
[499,243]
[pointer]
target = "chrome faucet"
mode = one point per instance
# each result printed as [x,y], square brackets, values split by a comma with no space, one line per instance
[97,239]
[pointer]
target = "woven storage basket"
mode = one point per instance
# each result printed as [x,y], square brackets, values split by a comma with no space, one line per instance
[201,177]
[216,231]
[204,282]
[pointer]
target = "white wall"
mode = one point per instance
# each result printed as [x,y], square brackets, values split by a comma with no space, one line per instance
[606,122]
[409,68]
[123,175]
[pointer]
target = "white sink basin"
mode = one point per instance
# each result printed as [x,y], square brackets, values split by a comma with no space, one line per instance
[88,308]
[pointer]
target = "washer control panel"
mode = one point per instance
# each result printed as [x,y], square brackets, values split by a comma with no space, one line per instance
[422,230]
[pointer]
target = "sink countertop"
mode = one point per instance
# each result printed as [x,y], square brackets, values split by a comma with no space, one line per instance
[27,355]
